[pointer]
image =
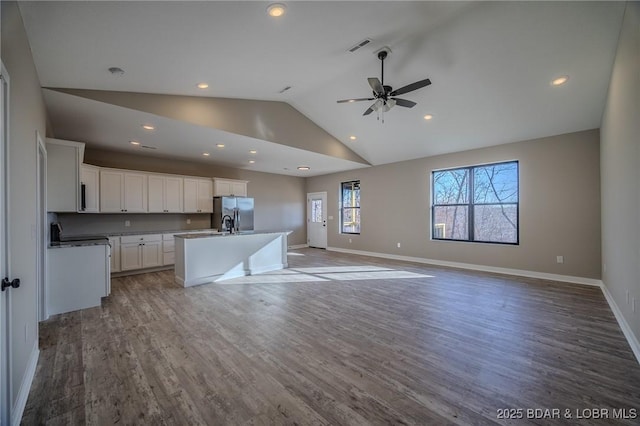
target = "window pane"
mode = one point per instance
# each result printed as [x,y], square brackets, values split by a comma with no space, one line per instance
[451,222]
[351,220]
[351,194]
[316,211]
[496,223]
[451,186]
[496,183]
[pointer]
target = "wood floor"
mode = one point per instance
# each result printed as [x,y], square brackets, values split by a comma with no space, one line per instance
[335,340]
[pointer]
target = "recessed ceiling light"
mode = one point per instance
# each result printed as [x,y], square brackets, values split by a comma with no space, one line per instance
[220,145]
[202,86]
[560,80]
[304,168]
[276,10]
[148,127]
[253,151]
[252,161]
[134,142]
[428,117]
[353,138]
[206,154]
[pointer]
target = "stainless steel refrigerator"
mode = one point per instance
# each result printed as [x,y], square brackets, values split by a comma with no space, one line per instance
[232,214]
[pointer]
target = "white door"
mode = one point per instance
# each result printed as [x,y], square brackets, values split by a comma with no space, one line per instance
[190,196]
[135,193]
[5,361]
[111,191]
[156,192]
[173,194]
[42,231]
[317,219]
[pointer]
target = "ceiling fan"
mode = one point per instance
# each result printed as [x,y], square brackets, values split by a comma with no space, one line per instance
[385,96]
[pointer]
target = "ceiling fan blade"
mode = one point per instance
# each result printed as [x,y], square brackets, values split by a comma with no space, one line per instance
[375,84]
[404,103]
[368,111]
[355,100]
[411,87]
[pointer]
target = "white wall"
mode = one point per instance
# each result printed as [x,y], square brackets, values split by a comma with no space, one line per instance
[26,116]
[620,176]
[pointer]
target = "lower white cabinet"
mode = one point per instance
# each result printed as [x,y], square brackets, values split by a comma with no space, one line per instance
[77,277]
[114,242]
[168,249]
[140,251]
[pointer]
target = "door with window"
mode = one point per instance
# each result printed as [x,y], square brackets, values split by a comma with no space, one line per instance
[317,219]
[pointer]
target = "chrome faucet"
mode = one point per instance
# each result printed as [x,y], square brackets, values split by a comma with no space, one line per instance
[230,223]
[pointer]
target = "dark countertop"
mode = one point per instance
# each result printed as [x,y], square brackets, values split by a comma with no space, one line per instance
[83,243]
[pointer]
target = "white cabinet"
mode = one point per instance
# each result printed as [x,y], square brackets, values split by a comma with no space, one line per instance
[198,196]
[123,192]
[78,277]
[114,242]
[63,174]
[89,189]
[140,251]
[225,187]
[165,194]
[168,249]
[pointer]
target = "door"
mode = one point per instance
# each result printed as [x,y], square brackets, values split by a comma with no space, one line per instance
[190,196]
[205,196]
[156,192]
[89,177]
[130,256]
[135,193]
[151,254]
[5,361]
[317,219]
[111,191]
[41,228]
[173,194]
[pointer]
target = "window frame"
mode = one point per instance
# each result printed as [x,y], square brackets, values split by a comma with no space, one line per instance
[470,204]
[354,208]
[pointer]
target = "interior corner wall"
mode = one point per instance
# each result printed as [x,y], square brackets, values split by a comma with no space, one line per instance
[280,201]
[27,115]
[620,165]
[559,207]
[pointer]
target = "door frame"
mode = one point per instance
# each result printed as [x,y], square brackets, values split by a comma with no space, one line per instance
[323,195]
[41,227]
[5,298]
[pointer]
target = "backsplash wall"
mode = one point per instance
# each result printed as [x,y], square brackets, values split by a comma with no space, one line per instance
[83,223]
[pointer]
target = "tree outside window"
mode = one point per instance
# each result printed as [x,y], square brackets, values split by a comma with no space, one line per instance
[350,211]
[477,203]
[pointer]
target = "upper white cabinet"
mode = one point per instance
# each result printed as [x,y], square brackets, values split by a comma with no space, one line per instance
[198,196]
[225,187]
[89,189]
[165,194]
[63,173]
[123,191]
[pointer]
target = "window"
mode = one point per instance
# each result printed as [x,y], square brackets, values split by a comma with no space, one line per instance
[316,211]
[350,212]
[478,203]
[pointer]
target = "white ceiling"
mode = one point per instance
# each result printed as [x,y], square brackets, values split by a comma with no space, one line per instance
[490,64]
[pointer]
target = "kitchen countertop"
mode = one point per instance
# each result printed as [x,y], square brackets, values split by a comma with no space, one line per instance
[83,243]
[122,234]
[227,234]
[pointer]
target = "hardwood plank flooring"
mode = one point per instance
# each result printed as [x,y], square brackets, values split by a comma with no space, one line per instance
[335,340]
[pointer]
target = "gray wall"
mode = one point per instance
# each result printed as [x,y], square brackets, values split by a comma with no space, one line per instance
[559,207]
[279,200]
[83,224]
[620,162]
[26,116]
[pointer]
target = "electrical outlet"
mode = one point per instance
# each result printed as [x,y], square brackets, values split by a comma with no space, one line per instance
[330,217]
[398,245]
[188,221]
[127,223]
[560,259]
[349,240]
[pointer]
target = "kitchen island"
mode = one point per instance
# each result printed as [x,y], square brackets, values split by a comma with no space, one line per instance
[209,257]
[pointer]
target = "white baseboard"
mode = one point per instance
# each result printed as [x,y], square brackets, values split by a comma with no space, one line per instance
[298,246]
[25,386]
[624,325]
[474,267]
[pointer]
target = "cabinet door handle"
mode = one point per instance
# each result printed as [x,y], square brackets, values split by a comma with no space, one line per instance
[15,283]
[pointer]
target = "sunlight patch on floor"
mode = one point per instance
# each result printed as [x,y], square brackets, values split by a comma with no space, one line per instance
[328,273]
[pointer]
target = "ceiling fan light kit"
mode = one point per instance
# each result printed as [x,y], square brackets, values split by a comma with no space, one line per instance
[384,96]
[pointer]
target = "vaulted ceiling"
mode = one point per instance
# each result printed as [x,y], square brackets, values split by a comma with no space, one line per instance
[490,63]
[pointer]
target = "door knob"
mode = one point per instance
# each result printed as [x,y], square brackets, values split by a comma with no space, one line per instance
[13,284]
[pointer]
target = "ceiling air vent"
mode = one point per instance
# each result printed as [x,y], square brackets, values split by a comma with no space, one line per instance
[359,45]
[148,147]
